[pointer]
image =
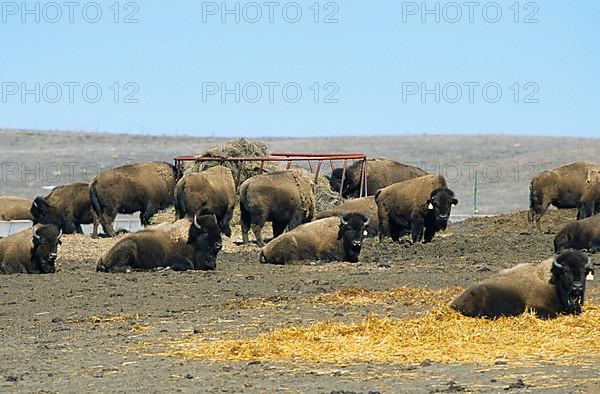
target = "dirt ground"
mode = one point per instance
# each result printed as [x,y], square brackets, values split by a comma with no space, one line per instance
[80,331]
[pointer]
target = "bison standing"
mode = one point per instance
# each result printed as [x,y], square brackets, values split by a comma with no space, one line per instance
[414,206]
[364,205]
[329,239]
[557,285]
[30,251]
[285,198]
[143,187]
[181,245]
[380,173]
[590,201]
[68,207]
[209,192]
[14,208]
[562,187]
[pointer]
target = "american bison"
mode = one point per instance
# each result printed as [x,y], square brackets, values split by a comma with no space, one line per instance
[14,208]
[30,251]
[562,187]
[380,173]
[329,239]
[364,205]
[419,206]
[209,192]
[143,187]
[581,234]
[68,207]
[285,198]
[181,245]
[590,201]
[555,286]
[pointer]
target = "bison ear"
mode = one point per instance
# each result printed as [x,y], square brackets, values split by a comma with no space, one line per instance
[429,204]
[454,202]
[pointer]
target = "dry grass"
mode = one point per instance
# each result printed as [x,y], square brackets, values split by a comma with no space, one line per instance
[440,335]
[114,319]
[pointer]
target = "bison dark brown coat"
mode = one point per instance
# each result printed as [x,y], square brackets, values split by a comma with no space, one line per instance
[68,207]
[329,239]
[209,192]
[380,173]
[562,187]
[181,245]
[143,187]
[590,201]
[419,206]
[30,251]
[364,205]
[557,285]
[581,234]
[284,198]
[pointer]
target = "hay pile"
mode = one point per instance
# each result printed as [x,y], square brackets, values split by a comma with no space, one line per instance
[441,335]
[235,148]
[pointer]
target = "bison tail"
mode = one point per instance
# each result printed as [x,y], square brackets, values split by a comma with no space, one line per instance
[94,197]
[179,204]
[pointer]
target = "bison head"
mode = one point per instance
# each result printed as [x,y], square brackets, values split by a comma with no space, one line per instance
[44,213]
[204,236]
[439,206]
[46,238]
[352,232]
[350,187]
[569,272]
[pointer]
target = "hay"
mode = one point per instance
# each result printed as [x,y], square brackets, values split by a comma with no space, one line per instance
[441,335]
[407,296]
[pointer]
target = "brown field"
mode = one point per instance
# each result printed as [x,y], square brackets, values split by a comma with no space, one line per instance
[378,325]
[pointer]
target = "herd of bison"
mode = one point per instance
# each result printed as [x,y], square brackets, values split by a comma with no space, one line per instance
[404,201]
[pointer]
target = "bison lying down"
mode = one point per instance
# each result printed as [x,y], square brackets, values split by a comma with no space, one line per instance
[557,285]
[415,206]
[30,251]
[580,234]
[14,208]
[181,245]
[68,207]
[210,191]
[365,205]
[329,239]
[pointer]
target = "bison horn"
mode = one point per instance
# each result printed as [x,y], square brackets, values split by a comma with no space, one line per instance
[59,234]
[556,264]
[588,264]
[344,221]
[35,234]
[367,222]
[196,224]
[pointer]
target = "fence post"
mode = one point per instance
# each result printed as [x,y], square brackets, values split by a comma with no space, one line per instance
[475,200]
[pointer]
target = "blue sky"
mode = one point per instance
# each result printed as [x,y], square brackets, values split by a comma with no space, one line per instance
[366,71]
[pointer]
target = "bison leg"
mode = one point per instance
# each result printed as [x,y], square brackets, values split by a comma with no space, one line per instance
[595,246]
[257,230]
[245,221]
[78,228]
[429,233]
[107,219]
[417,230]
[278,228]
[224,223]
[147,214]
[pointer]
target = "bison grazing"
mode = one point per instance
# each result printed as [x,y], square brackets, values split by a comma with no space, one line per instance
[380,173]
[144,187]
[68,207]
[415,205]
[590,201]
[365,205]
[30,251]
[181,245]
[14,208]
[555,286]
[580,234]
[209,192]
[562,187]
[285,198]
[329,239]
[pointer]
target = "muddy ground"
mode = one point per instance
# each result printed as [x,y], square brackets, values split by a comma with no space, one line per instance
[78,330]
